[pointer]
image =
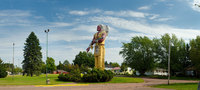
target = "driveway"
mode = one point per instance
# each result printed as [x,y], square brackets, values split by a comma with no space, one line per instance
[119,86]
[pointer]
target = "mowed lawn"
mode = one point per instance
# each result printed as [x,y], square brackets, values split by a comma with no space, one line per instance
[27,80]
[126,80]
[179,86]
[41,80]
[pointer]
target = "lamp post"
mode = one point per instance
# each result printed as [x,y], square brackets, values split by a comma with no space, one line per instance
[46,31]
[169,61]
[13,62]
[199,81]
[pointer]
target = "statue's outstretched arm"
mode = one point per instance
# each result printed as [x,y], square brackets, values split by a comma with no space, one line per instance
[91,44]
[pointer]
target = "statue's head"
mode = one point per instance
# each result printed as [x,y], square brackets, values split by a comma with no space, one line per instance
[99,27]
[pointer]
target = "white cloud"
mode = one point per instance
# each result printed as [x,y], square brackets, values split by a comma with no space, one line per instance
[79,12]
[112,55]
[146,29]
[154,16]
[88,28]
[85,12]
[14,13]
[144,8]
[60,24]
[127,13]
[122,13]
[163,19]
[194,5]
[69,36]
[161,0]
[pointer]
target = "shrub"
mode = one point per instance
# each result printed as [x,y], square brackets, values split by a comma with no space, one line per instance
[97,75]
[74,75]
[3,72]
[94,75]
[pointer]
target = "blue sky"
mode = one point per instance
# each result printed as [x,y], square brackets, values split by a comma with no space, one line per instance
[73,23]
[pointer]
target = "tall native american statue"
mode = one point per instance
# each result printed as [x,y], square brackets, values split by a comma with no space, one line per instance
[99,41]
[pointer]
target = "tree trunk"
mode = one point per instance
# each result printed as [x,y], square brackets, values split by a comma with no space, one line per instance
[142,73]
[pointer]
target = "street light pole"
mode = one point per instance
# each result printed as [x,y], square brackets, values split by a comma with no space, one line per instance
[46,31]
[169,61]
[199,81]
[13,62]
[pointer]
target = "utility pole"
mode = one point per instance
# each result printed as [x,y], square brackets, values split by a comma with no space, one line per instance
[199,81]
[13,62]
[169,61]
[46,31]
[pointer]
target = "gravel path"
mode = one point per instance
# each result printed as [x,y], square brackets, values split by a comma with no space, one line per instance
[119,86]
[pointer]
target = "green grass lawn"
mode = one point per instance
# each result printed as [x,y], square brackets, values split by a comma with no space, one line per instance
[27,80]
[126,80]
[173,77]
[119,80]
[179,86]
[41,80]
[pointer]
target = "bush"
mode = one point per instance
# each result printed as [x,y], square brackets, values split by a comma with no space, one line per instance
[97,75]
[94,75]
[74,76]
[3,72]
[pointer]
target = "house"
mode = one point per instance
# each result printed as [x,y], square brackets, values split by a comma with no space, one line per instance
[9,73]
[128,70]
[108,67]
[157,71]
[60,71]
[116,70]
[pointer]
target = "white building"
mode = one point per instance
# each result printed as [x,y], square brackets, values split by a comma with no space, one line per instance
[157,71]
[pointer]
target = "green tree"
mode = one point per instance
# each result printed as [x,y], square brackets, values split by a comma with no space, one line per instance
[17,70]
[178,54]
[106,63]
[124,66]
[60,66]
[195,54]
[138,54]
[66,62]
[3,72]
[115,64]
[85,59]
[43,70]
[8,66]
[51,65]
[32,63]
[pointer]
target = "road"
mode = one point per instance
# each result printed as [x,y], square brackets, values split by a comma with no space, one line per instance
[119,86]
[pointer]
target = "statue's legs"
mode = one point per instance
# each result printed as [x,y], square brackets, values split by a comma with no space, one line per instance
[103,57]
[99,57]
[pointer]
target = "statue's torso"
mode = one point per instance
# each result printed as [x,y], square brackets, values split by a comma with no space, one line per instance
[99,35]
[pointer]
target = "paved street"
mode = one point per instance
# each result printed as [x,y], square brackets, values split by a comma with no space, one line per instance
[119,86]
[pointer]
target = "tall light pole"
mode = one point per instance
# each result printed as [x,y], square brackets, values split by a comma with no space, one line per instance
[13,62]
[46,31]
[169,61]
[199,81]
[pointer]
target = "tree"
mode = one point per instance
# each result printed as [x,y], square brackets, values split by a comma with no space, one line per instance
[51,65]
[115,64]
[8,66]
[32,63]
[17,70]
[43,70]
[106,63]
[178,54]
[138,54]
[195,54]
[123,67]
[60,66]
[66,62]
[85,59]
[3,72]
